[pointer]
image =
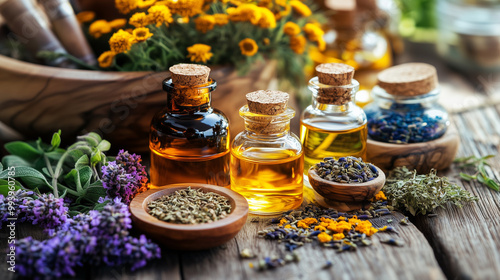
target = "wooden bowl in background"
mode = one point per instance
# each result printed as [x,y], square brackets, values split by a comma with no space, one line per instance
[184,236]
[343,192]
[38,100]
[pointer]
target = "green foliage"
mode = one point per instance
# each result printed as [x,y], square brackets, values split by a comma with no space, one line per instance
[71,172]
[479,164]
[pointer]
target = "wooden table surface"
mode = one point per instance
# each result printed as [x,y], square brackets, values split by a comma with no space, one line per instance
[455,244]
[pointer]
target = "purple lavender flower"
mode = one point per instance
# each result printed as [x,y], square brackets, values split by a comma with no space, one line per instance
[125,177]
[94,238]
[10,206]
[47,211]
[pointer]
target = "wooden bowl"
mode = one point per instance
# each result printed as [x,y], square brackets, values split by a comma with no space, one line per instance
[437,154]
[342,192]
[38,100]
[187,236]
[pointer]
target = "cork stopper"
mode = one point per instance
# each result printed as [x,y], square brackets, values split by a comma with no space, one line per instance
[270,103]
[410,79]
[335,75]
[267,102]
[189,74]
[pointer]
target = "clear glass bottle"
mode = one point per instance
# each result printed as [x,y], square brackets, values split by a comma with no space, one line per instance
[330,128]
[189,140]
[406,119]
[267,163]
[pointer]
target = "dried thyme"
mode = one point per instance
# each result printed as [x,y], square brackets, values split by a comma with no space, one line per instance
[346,170]
[190,206]
[421,194]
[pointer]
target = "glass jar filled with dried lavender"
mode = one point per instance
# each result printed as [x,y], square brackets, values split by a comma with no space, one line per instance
[405,108]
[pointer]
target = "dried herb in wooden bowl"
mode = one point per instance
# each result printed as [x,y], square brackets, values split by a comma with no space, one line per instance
[190,206]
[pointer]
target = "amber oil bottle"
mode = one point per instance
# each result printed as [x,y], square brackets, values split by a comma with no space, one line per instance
[266,158]
[333,125]
[189,140]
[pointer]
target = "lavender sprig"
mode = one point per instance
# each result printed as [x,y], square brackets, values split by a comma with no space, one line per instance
[95,238]
[10,206]
[125,177]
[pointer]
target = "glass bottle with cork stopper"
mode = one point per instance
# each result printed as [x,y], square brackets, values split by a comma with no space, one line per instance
[189,140]
[333,125]
[266,158]
[406,124]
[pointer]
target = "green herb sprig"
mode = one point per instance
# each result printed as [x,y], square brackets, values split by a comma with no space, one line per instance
[47,168]
[480,175]
[421,194]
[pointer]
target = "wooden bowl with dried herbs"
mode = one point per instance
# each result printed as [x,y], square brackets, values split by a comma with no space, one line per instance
[189,216]
[347,179]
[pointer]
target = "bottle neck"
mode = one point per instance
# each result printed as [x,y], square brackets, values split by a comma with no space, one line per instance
[267,129]
[331,107]
[186,99]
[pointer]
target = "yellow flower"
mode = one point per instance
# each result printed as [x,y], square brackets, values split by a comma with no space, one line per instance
[284,13]
[298,44]
[300,8]
[106,59]
[324,237]
[204,23]
[199,53]
[159,14]
[314,33]
[121,41]
[141,34]
[267,19]
[118,23]
[291,28]
[221,19]
[99,27]
[139,20]
[125,6]
[338,236]
[248,47]
[266,41]
[142,4]
[321,44]
[245,12]
[380,196]
[85,16]
[184,8]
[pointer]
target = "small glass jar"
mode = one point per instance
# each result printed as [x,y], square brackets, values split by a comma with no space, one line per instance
[332,128]
[267,163]
[406,119]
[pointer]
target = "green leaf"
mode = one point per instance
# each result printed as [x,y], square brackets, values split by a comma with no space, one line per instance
[55,154]
[16,161]
[104,146]
[95,158]
[85,175]
[71,178]
[95,191]
[27,173]
[1,166]
[76,154]
[493,185]
[5,186]
[481,179]
[467,177]
[82,161]
[23,150]
[56,140]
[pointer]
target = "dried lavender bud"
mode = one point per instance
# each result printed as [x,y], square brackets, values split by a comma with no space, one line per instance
[405,123]
[190,206]
[346,170]
[421,194]
[47,211]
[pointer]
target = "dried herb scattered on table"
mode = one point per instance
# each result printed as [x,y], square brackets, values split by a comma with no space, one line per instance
[346,170]
[190,206]
[479,165]
[421,194]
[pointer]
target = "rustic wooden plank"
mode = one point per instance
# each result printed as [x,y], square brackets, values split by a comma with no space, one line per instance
[467,241]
